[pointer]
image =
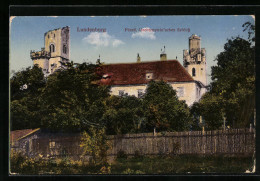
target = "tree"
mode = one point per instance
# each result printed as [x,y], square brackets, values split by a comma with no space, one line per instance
[210,108]
[25,88]
[73,99]
[232,93]
[163,110]
[123,115]
[95,144]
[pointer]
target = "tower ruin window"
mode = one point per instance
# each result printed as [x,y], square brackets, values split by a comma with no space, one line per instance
[193,72]
[52,48]
[64,49]
[54,35]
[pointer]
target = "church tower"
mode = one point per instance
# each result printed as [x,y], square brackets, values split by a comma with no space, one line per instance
[194,60]
[55,52]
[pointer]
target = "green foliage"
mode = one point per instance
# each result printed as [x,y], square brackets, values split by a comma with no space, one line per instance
[138,155]
[163,109]
[123,115]
[175,148]
[210,108]
[121,155]
[234,81]
[72,99]
[95,144]
[25,91]
[22,165]
[232,92]
[69,100]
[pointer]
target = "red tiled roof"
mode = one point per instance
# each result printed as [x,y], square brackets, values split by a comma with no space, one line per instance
[135,73]
[17,134]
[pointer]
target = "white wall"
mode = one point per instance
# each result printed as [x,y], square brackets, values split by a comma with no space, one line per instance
[189,94]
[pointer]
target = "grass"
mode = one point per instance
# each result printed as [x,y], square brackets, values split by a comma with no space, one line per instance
[184,164]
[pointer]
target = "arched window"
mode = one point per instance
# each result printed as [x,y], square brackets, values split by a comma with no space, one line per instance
[64,49]
[54,35]
[52,48]
[193,72]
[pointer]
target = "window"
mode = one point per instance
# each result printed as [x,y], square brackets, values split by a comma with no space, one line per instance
[48,36]
[193,72]
[180,91]
[52,48]
[121,92]
[149,76]
[64,49]
[198,93]
[54,35]
[140,93]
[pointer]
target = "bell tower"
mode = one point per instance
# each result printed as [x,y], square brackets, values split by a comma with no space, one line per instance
[194,60]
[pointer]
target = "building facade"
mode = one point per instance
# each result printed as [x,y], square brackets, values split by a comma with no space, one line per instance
[189,80]
[56,51]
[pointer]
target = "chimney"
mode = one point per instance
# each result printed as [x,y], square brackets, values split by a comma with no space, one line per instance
[163,55]
[98,60]
[138,58]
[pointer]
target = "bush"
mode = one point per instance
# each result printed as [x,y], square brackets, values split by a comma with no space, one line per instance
[137,155]
[175,147]
[121,155]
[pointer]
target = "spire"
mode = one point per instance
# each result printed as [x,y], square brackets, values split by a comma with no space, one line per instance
[138,58]
[98,60]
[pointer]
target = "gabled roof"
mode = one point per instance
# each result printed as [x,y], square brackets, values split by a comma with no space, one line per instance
[135,73]
[19,134]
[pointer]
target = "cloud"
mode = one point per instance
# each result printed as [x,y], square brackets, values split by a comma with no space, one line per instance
[143,16]
[102,39]
[146,33]
[53,16]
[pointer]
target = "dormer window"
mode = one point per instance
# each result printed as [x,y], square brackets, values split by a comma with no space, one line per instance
[106,76]
[149,76]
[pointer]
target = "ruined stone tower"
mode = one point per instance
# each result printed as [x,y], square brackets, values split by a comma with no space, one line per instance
[194,60]
[55,52]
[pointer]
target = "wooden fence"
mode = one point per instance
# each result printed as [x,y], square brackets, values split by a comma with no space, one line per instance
[229,142]
[235,141]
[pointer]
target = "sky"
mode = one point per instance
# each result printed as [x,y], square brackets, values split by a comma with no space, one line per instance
[118,39]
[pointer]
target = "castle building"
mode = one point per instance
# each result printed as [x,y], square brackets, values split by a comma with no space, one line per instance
[56,51]
[189,81]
